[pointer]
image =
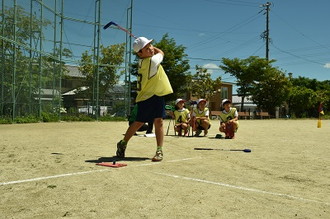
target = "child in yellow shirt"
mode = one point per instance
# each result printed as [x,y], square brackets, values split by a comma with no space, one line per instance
[182,118]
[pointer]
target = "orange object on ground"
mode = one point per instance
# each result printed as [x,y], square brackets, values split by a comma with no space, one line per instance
[113,164]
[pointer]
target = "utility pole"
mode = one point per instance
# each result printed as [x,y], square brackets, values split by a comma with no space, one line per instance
[265,34]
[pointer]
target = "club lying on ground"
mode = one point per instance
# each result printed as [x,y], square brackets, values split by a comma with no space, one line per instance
[121,28]
[209,149]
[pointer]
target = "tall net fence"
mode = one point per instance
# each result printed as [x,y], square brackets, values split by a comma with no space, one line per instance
[56,61]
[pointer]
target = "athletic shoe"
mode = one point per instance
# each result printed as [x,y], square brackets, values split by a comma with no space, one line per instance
[198,132]
[158,156]
[121,147]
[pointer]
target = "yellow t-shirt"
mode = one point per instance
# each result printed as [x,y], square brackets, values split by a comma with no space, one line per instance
[151,84]
[181,115]
[225,116]
[203,113]
[198,113]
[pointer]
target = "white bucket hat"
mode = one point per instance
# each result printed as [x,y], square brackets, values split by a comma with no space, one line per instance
[201,100]
[179,100]
[224,101]
[140,43]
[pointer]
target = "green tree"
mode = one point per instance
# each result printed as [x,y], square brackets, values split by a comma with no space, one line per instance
[28,78]
[306,95]
[271,91]
[248,72]
[202,85]
[175,65]
[301,99]
[111,58]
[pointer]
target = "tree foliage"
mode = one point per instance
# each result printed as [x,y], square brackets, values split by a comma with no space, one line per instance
[271,91]
[306,94]
[175,65]
[247,71]
[23,77]
[202,85]
[111,58]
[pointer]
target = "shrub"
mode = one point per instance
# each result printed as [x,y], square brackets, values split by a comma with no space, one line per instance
[49,117]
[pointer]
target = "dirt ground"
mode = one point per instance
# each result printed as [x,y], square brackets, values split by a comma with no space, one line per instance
[48,170]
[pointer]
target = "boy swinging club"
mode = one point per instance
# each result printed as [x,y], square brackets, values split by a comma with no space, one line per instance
[152,86]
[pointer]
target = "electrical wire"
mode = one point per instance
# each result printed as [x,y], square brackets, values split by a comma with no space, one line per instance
[294,55]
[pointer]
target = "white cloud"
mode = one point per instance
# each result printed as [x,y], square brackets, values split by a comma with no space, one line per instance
[210,67]
[327,65]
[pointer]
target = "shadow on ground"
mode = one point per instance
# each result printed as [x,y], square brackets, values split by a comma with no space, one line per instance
[114,158]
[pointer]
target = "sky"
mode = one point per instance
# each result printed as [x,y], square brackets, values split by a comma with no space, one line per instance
[214,29]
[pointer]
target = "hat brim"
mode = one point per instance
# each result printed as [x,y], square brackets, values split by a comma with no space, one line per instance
[226,102]
[149,41]
[180,101]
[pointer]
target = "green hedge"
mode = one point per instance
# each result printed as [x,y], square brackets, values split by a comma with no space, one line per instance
[52,117]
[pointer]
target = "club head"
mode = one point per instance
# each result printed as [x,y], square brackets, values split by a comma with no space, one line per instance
[109,24]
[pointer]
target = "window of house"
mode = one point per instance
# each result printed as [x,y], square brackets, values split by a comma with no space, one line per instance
[224,93]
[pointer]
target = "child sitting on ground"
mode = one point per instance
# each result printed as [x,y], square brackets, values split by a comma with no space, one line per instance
[200,118]
[228,119]
[182,118]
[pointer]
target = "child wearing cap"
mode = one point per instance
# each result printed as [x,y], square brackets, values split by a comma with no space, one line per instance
[228,119]
[152,86]
[200,118]
[182,117]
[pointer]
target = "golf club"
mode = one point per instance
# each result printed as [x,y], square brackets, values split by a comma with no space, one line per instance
[209,149]
[121,28]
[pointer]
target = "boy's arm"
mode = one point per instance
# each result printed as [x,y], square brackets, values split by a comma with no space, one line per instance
[156,59]
[158,51]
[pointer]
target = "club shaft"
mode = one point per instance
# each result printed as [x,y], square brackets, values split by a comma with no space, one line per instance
[123,29]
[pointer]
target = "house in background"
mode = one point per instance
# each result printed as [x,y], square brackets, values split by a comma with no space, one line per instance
[225,91]
[248,106]
[74,94]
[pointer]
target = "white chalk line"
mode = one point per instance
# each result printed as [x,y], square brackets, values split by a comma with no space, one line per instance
[51,177]
[243,188]
[79,173]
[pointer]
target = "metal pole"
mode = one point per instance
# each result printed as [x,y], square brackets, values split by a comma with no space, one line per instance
[31,58]
[128,60]
[94,61]
[40,59]
[2,59]
[267,30]
[61,62]
[127,112]
[130,56]
[54,54]
[14,64]
[98,60]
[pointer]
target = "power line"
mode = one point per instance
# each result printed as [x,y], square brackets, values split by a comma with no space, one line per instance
[299,57]
[302,34]
[229,30]
[233,2]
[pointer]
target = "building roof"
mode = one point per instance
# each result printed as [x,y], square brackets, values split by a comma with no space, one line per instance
[74,71]
[238,99]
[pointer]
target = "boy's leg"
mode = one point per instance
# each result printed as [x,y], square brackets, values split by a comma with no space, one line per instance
[230,130]
[185,128]
[205,125]
[121,145]
[159,138]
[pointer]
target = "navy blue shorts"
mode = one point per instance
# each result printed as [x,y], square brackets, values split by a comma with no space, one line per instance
[149,109]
